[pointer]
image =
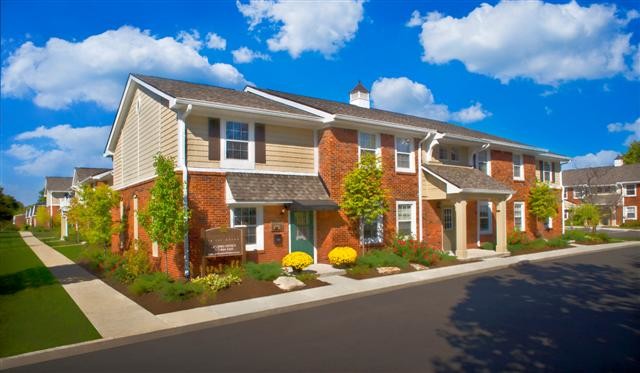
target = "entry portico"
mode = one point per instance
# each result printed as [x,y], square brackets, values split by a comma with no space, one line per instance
[456,189]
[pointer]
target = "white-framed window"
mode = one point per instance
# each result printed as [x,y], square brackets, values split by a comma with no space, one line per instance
[630,212]
[546,171]
[443,155]
[518,167]
[454,154]
[578,193]
[447,218]
[548,223]
[519,216]
[483,162]
[404,154]
[154,249]
[372,233]
[238,148]
[368,143]
[484,217]
[251,219]
[566,214]
[406,218]
[630,190]
[565,193]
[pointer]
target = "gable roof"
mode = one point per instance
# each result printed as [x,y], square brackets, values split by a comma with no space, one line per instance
[57,183]
[468,179]
[83,173]
[608,175]
[359,88]
[247,187]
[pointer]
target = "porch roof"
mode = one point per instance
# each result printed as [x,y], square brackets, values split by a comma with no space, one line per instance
[467,179]
[304,192]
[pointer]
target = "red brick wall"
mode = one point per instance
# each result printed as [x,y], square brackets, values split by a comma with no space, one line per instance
[431,219]
[632,201]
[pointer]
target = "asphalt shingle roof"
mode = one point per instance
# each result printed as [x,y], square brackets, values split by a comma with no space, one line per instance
[204,92]
[57,183]
[601,175]
[247,187]
[468,178]
[82,173]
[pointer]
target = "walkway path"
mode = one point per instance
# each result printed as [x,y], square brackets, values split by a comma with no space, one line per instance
[111,313]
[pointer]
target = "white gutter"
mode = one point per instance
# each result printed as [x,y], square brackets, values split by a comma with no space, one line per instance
[182,163]
[497,142]
[420,225]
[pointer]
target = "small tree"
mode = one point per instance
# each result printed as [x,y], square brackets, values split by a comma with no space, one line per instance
[587,215]
[165,218]
[543,201]
[42,217]
[364,198]
[77,214]
[97,226]
[633,153]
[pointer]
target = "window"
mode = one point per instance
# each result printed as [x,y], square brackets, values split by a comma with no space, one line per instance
[368,143]
[518,216]
[404,154]
[442,153]
[518,167]
[484,217]
[578,193]
[251,219]
[447,218]
[630,212]
[482,162]
[566,214]
[546,172]
[372,232]
[405,218]
[630,190]
[455,156]
[237,140]
[565,193]
[548,224]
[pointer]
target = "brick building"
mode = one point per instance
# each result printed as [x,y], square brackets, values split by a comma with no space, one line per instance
[274,163]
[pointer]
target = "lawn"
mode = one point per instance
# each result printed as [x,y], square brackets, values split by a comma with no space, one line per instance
[68,248]
[35,311]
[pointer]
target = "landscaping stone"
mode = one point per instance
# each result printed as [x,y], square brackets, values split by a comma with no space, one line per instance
[287,283]
[388,270]
[418,267]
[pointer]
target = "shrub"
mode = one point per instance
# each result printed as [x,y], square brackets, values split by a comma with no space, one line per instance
[180,290]
[359,270]
[149,282]
[343,256]
[537,244]
[306,276]
[517,237]
[411,250]
[134,263]
[215,282]
[488,246]
[631,224]
[234,270]
[576,235]
[297,260]
[263,271]
[557,242]
[382,258]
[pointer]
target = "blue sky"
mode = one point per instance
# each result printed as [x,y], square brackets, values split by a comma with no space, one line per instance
[563,76]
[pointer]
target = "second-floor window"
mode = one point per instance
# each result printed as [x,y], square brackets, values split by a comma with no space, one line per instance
[546,172]
[630,190]
[237,141]
[565,193]
[518,167]
[404,154]
[455,156]
[578,193]
[482,162]
[368,143]
[442,153]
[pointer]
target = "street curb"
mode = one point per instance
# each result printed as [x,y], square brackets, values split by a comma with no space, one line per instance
[59,352]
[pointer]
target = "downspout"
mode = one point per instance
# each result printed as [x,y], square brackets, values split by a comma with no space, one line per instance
[420,225]
[182,128]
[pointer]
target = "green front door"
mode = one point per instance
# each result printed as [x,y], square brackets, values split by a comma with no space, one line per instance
[302,232]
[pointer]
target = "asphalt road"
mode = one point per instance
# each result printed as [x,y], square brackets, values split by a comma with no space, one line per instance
[576,314]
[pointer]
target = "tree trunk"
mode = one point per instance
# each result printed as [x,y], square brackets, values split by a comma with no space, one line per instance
[166,261]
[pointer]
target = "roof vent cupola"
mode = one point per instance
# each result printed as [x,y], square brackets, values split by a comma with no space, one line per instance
[618,161]
[359,96]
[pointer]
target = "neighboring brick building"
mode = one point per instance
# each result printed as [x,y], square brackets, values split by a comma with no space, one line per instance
[57,190]
[615,189]
[274,162]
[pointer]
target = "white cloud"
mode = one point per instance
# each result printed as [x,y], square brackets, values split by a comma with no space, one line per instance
[246,55]
[215,41]
[601,158]
[415,20]
[634,128]
[406,96]
[302,26]
[63,72]
[548,43]
[57,149]
[548,110]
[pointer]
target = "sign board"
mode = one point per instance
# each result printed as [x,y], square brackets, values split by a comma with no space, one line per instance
[221,242]
[276,226]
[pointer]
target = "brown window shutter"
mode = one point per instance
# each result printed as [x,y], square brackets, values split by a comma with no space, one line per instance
[553,172]
[541,174]
[261,151]
[214,139]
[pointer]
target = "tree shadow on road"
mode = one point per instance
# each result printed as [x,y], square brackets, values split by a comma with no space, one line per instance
[564,317]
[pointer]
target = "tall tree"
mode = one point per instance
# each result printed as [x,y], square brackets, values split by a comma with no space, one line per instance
[165,220]
[633,153]
[9,206]
[587,215]
[41,197]
[364,199]
[543,201]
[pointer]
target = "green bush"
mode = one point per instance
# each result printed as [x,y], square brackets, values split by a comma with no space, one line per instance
[517,237]
[358,270]
[180,290]
[557,242]
[537,244]
[382,258]
[263,271]
[234,270]
[306,276]
[575,235]
[488,246]
[215,282]
[412,250]
[631,224]
[149,282]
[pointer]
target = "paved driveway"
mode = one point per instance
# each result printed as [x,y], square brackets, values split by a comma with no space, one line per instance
[575,314]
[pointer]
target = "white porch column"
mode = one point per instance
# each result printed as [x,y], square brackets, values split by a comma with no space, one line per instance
[461,229]
[501,227]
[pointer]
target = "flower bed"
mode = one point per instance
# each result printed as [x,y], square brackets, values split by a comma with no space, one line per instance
[519,243]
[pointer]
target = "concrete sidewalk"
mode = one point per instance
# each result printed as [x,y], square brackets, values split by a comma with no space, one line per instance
[111,313]
[115,315]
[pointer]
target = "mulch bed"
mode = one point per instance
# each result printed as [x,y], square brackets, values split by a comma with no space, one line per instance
[247,289]
[373,273]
